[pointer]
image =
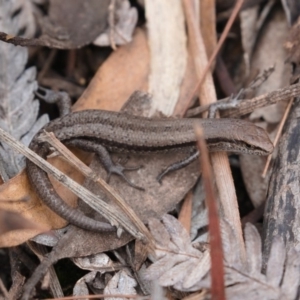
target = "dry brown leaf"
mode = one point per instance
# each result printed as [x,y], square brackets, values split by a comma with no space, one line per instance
[89,243]
[10,221]
[17,195]
[149,203]
[70,24]
[125,71]
[14,226]
[252,168]
[269,51]
[256,185]
[74,23]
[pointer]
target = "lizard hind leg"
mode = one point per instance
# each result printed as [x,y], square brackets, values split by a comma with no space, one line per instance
[178,165]
[110,167]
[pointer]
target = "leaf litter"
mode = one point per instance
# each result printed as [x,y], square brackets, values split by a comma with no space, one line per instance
[178,263]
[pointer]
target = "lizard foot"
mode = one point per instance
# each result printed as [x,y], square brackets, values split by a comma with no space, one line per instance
[119,170]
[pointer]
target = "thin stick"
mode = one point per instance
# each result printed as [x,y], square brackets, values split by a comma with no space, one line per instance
[132,296]
[215,239]
[248,105]
[278,134]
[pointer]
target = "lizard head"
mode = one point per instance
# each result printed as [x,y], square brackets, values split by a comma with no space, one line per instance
[242,137]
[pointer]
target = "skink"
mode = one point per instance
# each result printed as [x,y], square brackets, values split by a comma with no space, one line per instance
[97,130]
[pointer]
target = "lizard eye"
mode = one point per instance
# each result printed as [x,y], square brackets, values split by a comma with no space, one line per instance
[250,147]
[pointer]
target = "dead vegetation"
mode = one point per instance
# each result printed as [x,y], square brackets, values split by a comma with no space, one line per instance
[191,237]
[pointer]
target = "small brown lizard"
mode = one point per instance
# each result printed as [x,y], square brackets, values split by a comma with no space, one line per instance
[97,130]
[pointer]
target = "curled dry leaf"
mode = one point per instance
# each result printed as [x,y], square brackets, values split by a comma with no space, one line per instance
[119,33]
[94,262]
[121,283]
[81,288]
